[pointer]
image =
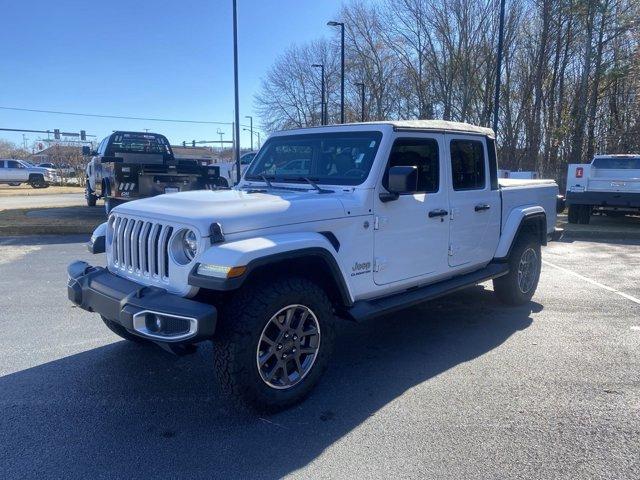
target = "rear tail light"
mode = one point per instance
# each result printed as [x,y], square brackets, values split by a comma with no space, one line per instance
[579,172]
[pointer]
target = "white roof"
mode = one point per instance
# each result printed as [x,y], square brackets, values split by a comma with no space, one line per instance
[618,155]
[432,125]
[439,125]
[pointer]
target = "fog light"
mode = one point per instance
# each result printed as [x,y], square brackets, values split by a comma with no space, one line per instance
[153,322]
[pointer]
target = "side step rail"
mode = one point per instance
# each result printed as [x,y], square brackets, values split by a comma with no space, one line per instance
[367,309]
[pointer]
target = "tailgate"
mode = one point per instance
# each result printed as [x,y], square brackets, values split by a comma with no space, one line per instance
[614,180]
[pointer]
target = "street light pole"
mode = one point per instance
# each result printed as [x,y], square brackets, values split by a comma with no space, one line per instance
[496,100]
[361,85]
[323,110]
[341,25]
[236,126]
[251,128]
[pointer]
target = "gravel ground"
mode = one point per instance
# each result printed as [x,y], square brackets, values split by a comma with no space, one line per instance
[459,388]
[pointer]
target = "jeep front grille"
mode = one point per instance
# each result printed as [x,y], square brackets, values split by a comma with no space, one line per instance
[139,246]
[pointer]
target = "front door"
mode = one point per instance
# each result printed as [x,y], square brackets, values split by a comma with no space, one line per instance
[409,243]
[16,172]
[474,205]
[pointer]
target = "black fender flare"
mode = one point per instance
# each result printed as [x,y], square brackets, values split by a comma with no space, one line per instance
[316,253]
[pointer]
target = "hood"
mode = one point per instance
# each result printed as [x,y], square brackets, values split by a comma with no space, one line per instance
[237,210]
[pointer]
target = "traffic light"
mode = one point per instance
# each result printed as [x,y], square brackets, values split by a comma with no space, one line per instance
[193,143]
[184,144]
[56,134]
[83,135]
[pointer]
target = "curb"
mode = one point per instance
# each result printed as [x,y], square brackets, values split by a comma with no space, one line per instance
[22,230]
[600,235]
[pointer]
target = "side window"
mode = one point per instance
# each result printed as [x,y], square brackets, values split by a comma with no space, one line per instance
[13,164]
[416,152]
[467,165]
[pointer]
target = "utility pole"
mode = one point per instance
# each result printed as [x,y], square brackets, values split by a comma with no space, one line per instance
[250,128]
[496,101]
[236,126]
[221,133]
[323,110]
[361,85]
[341,25]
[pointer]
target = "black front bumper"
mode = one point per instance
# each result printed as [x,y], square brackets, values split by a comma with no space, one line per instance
[95,289]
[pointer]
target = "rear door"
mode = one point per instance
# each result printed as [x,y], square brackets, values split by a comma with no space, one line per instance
[409,243]
[474,226]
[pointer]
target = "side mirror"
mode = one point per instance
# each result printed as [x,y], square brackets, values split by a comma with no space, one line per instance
[402,179]
[86,151]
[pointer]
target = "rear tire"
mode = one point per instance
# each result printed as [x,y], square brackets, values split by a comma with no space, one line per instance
[525,262]
[123,332]
[574,213]
[585,214]
[267,357]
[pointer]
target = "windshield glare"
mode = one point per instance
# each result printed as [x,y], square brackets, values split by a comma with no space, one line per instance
[330,158]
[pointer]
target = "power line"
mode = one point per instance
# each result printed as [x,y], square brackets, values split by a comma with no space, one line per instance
[121,117]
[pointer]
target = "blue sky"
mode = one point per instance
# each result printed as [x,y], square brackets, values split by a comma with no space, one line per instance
[143,58]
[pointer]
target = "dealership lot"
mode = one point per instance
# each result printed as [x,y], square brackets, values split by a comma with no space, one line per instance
[462,387]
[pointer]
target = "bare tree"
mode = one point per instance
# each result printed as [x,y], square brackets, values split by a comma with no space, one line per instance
[571,73]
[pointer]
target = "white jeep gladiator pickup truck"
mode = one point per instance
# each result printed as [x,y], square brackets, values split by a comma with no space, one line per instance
[610,184]
[339,222]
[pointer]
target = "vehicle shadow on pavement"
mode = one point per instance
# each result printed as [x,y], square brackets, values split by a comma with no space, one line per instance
[128,411]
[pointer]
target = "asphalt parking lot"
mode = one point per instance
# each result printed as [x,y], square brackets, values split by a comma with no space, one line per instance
[459,388]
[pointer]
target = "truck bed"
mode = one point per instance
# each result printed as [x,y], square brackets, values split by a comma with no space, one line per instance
[518,193]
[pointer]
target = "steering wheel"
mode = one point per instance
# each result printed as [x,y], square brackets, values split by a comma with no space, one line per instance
[356,170]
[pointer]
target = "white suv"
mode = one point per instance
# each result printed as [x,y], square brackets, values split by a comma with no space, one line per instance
[384,216]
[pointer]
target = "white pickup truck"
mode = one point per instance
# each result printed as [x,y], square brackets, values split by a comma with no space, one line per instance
[15,172]
[610,184]
[385,216]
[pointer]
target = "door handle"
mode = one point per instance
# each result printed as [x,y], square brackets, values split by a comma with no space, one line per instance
[438,213]
[481,207]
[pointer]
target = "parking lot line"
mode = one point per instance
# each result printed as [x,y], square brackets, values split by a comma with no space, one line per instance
[593,282]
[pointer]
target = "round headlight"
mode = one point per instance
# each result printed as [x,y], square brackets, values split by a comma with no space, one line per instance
[189,244]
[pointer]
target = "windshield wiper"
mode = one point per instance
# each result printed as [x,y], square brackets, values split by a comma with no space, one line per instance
[312,181]
[267,180]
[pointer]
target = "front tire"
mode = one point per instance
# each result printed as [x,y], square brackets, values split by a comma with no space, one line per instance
[525,263]
[276,338]
[89,195]
[37,181]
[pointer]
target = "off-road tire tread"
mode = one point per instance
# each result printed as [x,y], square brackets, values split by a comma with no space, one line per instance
[245,312]
[506,287]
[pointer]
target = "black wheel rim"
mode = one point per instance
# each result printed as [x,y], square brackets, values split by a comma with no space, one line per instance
[527,270]
[288,347]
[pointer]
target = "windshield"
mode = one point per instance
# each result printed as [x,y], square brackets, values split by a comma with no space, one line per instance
[138,143]
[617,163]
[331,158]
